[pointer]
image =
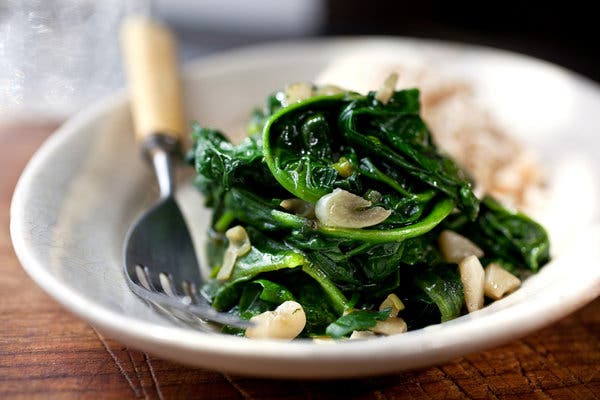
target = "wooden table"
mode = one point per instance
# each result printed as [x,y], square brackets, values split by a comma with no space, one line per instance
[46,353]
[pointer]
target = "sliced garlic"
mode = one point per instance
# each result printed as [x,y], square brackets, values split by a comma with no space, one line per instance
[328,90]
[285,322]
[239,245]
[454,247]
[385,93]
[472,277]
[298,91]
[343,209]
[226,269]
[361,335]
[392,302]
[299,207]
[390,326]
[499,281]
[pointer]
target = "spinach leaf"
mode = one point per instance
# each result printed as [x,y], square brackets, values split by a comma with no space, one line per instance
[217,160]
[442,285]
[261,295]
[251,209]
[319,313]
[422,250]
[381,261]
[297,146]
[336,297]
[273,292]
[251,303]
[357,320]
[225,295]
[336,266]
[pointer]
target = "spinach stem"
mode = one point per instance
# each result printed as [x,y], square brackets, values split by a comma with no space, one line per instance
[339,301]
[375,173]
[223,223]
[440,211]
[358,249]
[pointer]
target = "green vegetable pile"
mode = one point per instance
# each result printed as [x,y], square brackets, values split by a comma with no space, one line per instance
[381,152]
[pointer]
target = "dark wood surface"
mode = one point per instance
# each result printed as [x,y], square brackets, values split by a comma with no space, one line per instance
[47,353]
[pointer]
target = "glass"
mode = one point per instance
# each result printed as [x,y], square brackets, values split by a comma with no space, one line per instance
[57,56]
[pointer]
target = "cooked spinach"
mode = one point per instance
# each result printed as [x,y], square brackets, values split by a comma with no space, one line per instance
[381,152]
[357,320]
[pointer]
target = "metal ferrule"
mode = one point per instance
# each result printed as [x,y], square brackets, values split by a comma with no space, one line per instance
[163,142]
[159,149]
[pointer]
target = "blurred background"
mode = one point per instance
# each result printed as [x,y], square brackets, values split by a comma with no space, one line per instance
[56,56]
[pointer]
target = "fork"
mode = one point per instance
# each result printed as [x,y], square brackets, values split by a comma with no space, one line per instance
[160,261]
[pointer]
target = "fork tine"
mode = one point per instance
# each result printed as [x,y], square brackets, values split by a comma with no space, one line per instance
[182,318]
[202,309]
[143,276]
[166,281]
[179,306]
[190,291]
[169,287]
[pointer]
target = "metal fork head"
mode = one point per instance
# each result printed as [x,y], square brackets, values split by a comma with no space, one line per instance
[181,302]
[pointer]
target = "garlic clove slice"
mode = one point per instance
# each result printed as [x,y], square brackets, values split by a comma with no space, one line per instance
[472,277]
[455,247]
[285,322]
[499,281]
[239,246]
[342,209]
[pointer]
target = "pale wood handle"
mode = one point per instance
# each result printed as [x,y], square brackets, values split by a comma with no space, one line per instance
[150,54]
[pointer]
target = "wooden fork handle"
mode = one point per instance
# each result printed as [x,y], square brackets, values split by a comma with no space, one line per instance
[150,55]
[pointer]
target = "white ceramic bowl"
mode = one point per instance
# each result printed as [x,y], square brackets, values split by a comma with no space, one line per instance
[84,187]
